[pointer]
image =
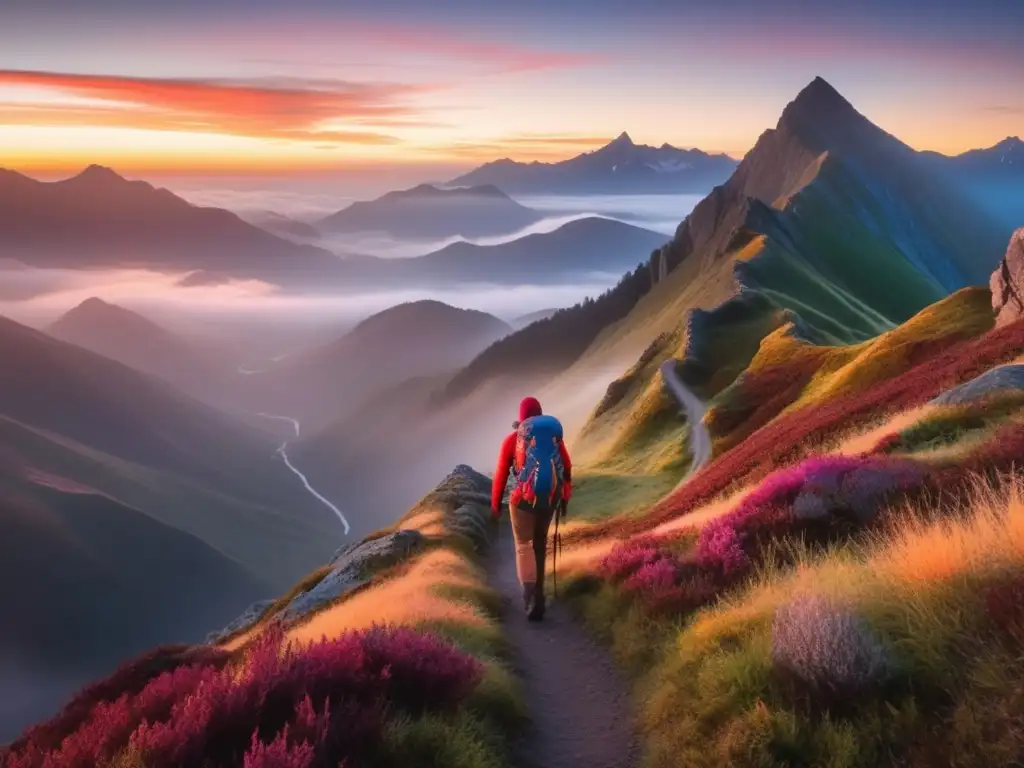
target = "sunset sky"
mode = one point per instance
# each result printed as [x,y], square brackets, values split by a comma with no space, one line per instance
[202,86]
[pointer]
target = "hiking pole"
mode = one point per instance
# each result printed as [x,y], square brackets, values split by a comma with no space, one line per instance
[554,549]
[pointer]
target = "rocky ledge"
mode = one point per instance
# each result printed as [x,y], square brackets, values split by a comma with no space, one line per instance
[463,497]
[1008,281]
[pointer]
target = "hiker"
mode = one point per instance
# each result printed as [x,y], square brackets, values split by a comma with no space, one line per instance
[535,454]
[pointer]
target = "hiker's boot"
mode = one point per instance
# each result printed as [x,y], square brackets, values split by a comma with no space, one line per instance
[536,611]
[529,588]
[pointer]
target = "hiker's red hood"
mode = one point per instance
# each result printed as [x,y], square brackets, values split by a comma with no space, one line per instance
[530,406]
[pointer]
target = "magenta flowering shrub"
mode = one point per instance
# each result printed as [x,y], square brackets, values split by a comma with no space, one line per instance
[657,578]
[818,498]
[628,556]
[282,706]
[128,679]
[812,497]
[654,575]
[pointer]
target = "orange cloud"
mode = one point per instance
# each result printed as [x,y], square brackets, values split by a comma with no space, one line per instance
[280,108]
[525,147]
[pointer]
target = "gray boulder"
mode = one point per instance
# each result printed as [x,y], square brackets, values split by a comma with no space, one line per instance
[1008,281]
[1005,377]
[352,568]
[248,617]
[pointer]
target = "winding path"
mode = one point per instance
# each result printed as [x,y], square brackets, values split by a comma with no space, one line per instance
[694,408]
[578,699]
[283,451]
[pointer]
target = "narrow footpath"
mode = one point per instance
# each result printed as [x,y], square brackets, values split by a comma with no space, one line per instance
[694,410]
[578,699]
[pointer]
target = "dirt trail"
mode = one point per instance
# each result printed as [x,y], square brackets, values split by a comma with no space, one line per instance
[694,407]
[578,700]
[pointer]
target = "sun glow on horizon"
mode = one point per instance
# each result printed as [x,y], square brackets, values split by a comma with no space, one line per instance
[309,90]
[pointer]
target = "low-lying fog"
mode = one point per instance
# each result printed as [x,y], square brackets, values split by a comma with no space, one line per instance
[264,320]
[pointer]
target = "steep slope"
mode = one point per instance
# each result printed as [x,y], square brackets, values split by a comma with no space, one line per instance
[139,343]
[99,219]
[113,420]
[96,582]
[620,167]
[430,213]
[532,317]
[422,338]
[828,222]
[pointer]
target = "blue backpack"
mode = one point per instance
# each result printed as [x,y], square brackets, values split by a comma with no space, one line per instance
[540,479]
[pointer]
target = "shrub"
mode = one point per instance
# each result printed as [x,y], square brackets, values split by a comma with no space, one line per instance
[625,558]
[826,647]
[127,680]
[811,494]
[282,706]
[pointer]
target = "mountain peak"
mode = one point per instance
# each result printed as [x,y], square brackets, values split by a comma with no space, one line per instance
[622,140]
[98,173]
[820,96]
[1010,142]
[94,307]
[93,303]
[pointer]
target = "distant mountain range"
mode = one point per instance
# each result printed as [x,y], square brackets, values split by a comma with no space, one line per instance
[575,249]
[994,177]
[416,339]
[620,167]
[279,224]
[139,343]
[99,219]
[429,213]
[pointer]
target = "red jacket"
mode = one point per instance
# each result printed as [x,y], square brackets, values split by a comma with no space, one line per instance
[506,464]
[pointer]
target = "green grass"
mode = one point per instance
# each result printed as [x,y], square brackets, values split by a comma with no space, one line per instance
[948,425]
[599,494]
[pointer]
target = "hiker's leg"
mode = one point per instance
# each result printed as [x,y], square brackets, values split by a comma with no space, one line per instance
[523,526]
[542,521]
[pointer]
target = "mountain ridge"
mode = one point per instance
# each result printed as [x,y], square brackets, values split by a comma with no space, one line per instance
[97,218]
[620,166]
[427,211]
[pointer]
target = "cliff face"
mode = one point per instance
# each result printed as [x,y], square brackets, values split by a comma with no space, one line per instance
[1007,280]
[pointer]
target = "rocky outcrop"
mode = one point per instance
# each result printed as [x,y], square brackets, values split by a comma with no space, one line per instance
[248,617]
[464,499]
[1003,378]
[352,567]
[1008,281]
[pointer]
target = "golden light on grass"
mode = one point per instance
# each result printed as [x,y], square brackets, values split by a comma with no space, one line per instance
[896,574]
[702,515]
[986,535]
[583,558]
[409,598]
[863,441]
